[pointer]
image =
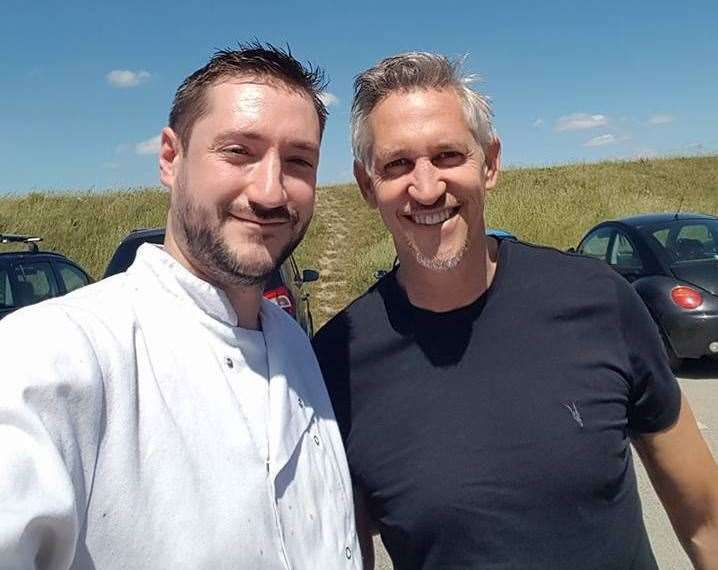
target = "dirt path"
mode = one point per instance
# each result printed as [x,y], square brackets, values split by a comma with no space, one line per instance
[328,292]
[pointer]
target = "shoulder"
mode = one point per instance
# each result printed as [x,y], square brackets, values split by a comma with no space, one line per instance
[547,258]
[47,349]
[75,308]
[545,269]
[63,328]
[338,331]
[102,300]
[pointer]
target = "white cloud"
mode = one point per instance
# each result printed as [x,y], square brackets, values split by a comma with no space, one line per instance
[538,123]
[601,140]
[328,99]
[150,146]
[580,121]
[661,119]
[126,78]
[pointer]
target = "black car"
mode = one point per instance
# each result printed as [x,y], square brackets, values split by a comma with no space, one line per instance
[31,276]
[672,262]
[284,287]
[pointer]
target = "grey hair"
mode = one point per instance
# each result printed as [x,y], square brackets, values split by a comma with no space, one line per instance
[407,72]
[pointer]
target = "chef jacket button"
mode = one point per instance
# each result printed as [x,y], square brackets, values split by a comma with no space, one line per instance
[300,402]
[229,362]
[348,553]
[316,439]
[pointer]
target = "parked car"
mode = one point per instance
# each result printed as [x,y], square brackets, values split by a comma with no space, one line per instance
[495,232]
[284,288]
[31,276]
[672,262]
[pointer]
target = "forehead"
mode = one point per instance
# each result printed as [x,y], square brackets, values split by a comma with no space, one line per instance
[413,116]
[255,104]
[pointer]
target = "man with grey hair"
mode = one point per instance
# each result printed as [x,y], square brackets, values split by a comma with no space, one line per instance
[482,428]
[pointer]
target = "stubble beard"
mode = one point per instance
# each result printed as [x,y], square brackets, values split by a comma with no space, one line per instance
[210,250]
[435,263]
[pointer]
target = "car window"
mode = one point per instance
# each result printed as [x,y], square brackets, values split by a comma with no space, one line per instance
[71,276]
[127,250]
[693,242]
[596,243]
[624,256]
[35,282]
[662,235]
[6,296]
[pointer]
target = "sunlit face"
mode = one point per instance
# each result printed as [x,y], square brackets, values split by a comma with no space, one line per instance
[243,193]
[428,176]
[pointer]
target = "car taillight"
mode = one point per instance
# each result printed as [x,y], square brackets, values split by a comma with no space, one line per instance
[282,297]
[686,297]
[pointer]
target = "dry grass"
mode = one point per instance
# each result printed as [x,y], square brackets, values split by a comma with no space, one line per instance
[86,227]
[552,206]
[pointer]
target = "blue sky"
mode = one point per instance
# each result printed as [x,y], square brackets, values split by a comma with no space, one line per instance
[85,86]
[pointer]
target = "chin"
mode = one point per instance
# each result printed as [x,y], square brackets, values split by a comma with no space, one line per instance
[436,263]
[256,264]
[442,261]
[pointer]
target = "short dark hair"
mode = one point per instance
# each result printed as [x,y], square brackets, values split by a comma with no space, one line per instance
[253,59]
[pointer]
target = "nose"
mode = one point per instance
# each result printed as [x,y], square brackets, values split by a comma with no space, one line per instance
[427,186]
[266,184]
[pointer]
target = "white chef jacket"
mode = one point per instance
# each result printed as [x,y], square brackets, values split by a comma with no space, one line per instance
[124,440]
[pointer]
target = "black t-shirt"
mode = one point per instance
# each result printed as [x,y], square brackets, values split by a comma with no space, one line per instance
[497,435]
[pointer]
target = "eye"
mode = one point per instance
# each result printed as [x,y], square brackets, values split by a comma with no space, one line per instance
[302,162]
[235,150]
[397,167]
[449,158]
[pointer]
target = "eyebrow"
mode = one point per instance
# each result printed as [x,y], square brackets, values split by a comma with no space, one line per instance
[401,152]
[233,135]
[391,154]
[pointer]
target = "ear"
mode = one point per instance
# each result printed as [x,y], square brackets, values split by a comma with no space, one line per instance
[492,163]
[170,154]
[365,184]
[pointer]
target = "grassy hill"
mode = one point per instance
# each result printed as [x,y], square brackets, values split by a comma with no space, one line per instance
[347,241]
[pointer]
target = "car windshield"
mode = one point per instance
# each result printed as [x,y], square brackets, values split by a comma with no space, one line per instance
[685,241]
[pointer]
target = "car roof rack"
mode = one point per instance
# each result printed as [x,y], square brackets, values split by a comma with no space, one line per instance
[31,241]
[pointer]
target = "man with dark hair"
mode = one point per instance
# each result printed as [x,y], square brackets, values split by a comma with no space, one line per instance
[488,390]
[169,417]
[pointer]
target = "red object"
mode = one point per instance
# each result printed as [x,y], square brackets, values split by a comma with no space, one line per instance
[282,297]
[686,297]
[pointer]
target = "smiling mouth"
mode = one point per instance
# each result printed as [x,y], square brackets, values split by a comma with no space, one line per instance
[261,221]
[432,218]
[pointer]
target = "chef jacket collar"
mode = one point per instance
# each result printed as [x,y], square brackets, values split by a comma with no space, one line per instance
[177,280]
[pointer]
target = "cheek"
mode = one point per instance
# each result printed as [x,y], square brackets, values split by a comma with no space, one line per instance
[301,195]
[389,198]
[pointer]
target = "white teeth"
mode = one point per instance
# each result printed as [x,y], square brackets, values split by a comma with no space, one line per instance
[431,219]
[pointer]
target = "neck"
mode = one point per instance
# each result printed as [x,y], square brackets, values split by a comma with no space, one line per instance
[442,291]
[245,301]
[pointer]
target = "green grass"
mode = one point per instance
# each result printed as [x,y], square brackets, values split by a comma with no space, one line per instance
[551,206]
[87,227]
